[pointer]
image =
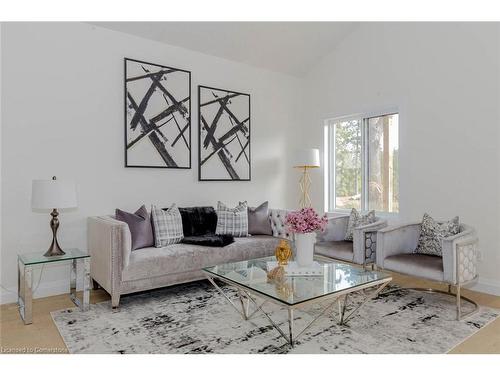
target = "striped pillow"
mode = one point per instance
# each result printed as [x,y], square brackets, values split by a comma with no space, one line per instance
[167,225]
[233,221]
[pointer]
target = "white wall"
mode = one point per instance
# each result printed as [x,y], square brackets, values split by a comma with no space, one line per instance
[445,80]
[63,115]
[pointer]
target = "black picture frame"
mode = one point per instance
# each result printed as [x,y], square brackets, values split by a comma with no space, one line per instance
[229,93]
[182,132]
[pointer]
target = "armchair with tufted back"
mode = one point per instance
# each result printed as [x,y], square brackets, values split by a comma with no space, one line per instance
[457,266]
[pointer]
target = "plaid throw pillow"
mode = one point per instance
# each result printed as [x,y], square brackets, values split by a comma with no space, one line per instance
[167,225]
[232,221]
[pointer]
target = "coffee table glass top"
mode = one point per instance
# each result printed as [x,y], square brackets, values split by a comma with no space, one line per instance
[335,277]
[39,258]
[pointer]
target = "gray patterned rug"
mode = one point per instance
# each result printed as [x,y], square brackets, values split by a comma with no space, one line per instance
[195,318]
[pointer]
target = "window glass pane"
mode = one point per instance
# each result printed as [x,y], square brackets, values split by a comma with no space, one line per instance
[383,177]
[347,164]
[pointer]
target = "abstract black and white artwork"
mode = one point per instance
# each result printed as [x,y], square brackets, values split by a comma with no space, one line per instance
[224,135]
[157,116]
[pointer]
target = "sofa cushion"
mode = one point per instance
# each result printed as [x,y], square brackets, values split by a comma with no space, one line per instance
[198,221]
[419,265]
[153,262]
[335,249]
[212,240]
[139,223]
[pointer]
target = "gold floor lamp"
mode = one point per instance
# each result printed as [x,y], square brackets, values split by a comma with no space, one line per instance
[306,159]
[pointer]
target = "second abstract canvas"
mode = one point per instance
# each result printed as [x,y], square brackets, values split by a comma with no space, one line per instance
[224,135]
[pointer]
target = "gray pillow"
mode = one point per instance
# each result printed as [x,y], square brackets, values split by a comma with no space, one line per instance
[356,220]
[140,226]
[258,220]
[430,241]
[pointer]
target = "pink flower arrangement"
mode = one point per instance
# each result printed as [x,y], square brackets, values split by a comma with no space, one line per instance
[305,221]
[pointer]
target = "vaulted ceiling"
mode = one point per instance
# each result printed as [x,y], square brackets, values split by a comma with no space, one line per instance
[287,47]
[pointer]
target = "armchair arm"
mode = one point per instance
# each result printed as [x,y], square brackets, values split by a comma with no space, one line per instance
[359,241]
[335,229]
[109,244]
[399,239]
[460,255]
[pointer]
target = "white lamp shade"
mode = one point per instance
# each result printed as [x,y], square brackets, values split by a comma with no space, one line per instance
[307,158]
[49,194]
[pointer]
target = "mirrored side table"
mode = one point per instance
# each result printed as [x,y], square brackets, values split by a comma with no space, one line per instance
[26,263]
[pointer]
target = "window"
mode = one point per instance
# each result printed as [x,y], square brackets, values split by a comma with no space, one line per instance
[361,163]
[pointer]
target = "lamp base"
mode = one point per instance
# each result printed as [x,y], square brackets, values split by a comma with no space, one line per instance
[54,248]
[305,185]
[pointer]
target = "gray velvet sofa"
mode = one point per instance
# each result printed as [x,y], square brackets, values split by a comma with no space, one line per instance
[120,271]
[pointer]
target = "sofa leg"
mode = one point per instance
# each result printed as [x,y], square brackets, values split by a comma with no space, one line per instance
[115,300]
[459,307]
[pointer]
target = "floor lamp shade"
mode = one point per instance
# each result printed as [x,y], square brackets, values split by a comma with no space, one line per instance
[50,194]
[307,158]
[53,194]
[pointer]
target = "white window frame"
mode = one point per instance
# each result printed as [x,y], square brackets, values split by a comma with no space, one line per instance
[329,158]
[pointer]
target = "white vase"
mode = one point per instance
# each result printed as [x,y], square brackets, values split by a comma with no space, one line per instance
[304,244]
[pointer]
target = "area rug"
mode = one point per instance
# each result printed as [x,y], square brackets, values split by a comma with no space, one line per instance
[195,318]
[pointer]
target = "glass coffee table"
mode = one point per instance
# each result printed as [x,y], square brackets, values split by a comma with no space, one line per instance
[332,283]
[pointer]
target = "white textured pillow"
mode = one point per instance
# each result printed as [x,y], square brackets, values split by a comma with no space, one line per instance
[357,220]
[233,221]
[167,225]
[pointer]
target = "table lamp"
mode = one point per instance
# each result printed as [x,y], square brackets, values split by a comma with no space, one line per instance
[306,159]
[53,194]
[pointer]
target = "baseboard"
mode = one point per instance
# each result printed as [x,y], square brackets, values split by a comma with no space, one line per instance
[45,289]
[487,286]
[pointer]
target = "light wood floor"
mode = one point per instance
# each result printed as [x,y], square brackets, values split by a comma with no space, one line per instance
[42,336]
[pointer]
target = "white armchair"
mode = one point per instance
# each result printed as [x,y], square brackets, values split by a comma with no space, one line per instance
[361,250]
[457,266]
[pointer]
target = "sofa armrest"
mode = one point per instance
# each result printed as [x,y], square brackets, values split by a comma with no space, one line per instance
[335,229]
[399,239]
[460,253]
[359,243]
[109,245]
